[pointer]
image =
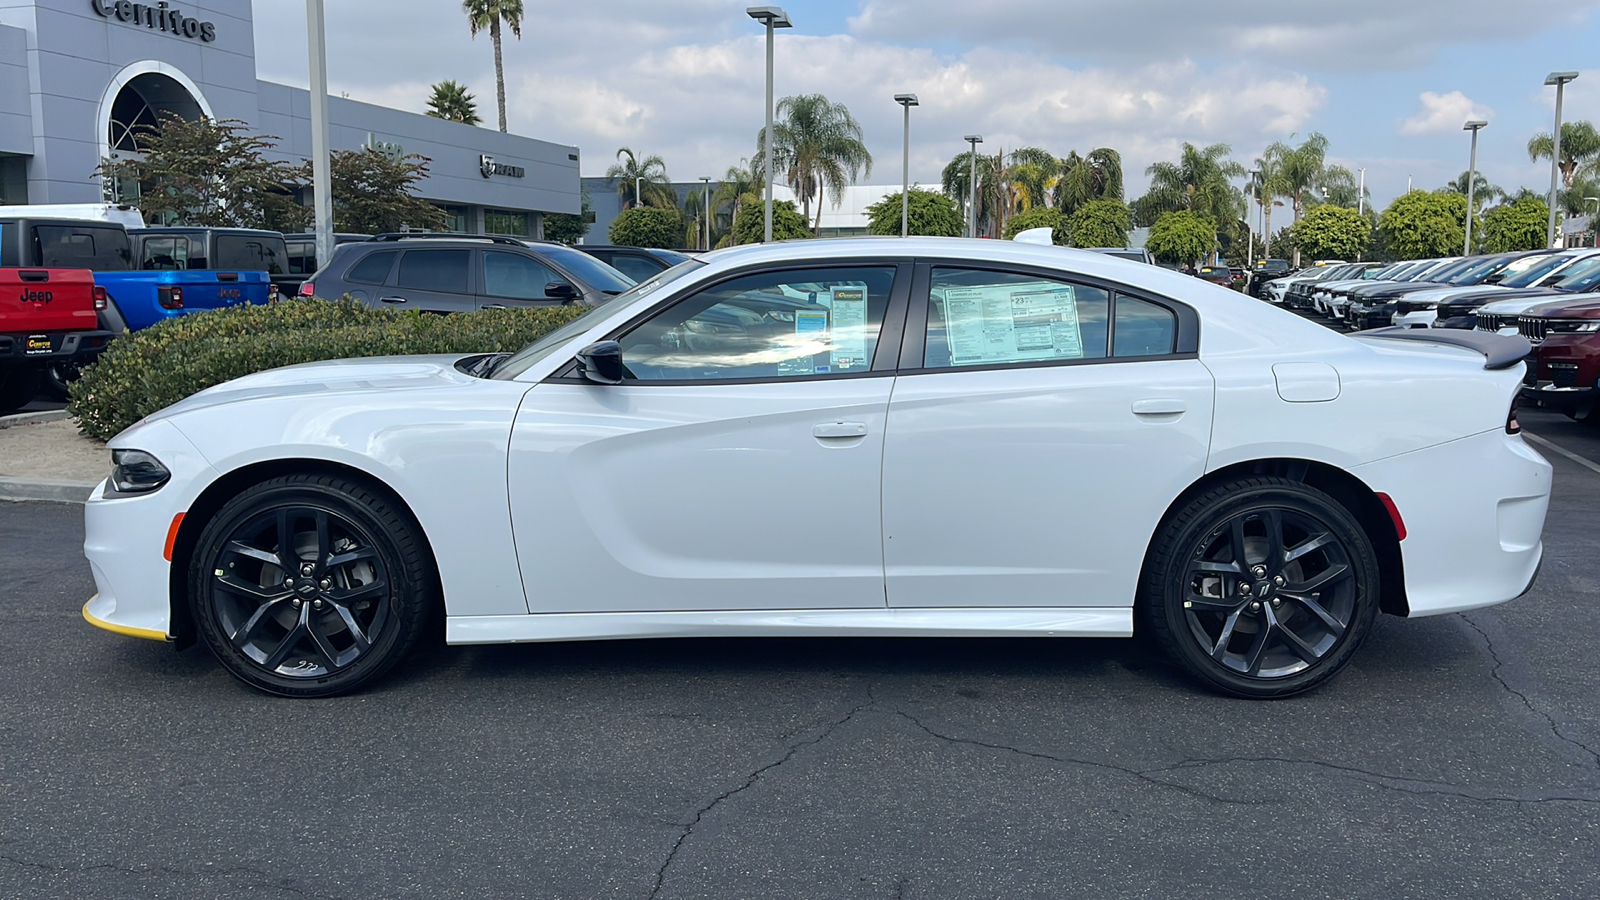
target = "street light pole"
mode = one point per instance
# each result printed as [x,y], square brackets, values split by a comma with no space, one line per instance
[1472,169]
[907,101]
[321,170]
[774,17]
[1559,79]
[972,185]
[1361,195]
[705,206]
[638,195]
[1250,241]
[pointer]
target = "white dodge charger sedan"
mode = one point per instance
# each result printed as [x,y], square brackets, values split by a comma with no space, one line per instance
[920,436]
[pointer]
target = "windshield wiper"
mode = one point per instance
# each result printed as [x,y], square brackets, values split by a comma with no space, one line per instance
[485,367]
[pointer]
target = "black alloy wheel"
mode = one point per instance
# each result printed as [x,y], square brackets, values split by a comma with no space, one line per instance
[310,586]
[1261,587]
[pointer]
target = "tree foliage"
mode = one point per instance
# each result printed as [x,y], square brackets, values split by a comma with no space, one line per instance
[372,193]
[566,227]
[817,148]
[642,182]
[1095,176]
[1039,217]
[1182,237]
[1420,224]
[749,224]
[452,102]
[929,213]
[956,180]
[1580,149]
[1197,182]
[1100,223]
[209,172]
[1331,232]
[1520,225]
[648,226]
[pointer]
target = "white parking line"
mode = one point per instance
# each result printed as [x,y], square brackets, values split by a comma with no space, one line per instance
[1551,445]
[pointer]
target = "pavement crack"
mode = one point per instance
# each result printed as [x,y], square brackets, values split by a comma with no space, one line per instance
[1093,764]
[1488,644]
[687,828]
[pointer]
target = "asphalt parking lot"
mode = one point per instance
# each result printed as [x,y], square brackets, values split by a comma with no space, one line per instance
[1457,757]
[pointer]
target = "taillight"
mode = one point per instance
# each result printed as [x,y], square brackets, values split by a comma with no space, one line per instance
[1512,425]
[99,298]
[170,297]
[307,289]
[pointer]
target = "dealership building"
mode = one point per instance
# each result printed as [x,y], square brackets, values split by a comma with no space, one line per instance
[77,78]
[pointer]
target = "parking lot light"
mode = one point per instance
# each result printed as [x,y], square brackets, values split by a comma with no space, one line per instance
[1474,126]
[705,206]
[1559,79]
[907,101]
[972,184]
[772,17]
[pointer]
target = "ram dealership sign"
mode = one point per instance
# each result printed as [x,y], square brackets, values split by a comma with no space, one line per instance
[158,16]
[490,168]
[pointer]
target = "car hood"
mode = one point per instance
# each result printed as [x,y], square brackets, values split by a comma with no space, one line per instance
[386,374]
[1584,306]
[1521,303]
[1446,294]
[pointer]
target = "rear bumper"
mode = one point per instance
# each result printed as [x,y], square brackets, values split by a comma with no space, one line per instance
[25,348]
[1467,546]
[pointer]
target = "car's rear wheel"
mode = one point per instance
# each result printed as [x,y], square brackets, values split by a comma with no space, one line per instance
[310,585]
[1261,587]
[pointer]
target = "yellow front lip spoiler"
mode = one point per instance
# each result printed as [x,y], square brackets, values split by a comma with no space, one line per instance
[128,630]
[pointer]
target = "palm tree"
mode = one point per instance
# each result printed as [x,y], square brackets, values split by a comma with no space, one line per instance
[488,14]
[648,176]
[817,146]
[1483,193]
[1339,187]
[1580,147]
[1033,174]
[955,180]
[740,185]
[1199,182]
[1094,176]
[450,101]
[1299,169]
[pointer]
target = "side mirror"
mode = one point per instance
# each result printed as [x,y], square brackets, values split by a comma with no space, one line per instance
[601,362]
[1493,279]
[560,290]
[1551,280]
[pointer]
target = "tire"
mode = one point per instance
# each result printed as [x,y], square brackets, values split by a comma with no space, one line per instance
[17,387]
[55,378]
[1303,617]
[361,591]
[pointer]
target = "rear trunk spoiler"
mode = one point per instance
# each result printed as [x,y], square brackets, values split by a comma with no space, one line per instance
[1500,351]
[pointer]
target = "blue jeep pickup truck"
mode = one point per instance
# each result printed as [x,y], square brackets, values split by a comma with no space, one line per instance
[150,274]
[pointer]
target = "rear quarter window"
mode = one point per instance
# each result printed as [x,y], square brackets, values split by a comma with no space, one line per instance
[251,253]
[97,247]
[373,268]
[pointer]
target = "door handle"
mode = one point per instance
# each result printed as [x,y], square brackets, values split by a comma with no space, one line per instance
[496,306]
[1162,407]
[391,299]
[839,430]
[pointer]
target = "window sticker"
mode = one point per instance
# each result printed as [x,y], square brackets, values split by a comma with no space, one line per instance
[849,305]
[1001,323]
[810,339]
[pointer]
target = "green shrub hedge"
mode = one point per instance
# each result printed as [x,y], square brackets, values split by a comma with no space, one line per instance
[155,368]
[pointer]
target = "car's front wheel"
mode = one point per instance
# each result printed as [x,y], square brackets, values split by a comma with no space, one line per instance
[310,585]
[1261,587]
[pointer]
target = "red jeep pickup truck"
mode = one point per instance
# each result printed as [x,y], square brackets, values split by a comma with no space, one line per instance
[47,317]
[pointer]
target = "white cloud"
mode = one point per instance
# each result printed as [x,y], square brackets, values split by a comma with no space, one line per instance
[1440,113]
[1353,35]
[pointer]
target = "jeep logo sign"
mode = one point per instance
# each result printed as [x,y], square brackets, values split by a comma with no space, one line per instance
[390,149]
[159,15]
[37,297]
[490,168]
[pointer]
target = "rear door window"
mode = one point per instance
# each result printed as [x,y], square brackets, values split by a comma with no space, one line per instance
[639,268]
[434,270]
[164,254]
[250,253]
[101,248]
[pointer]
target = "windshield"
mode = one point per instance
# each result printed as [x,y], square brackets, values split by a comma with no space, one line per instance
[1580,276]
[1475,271]
[592,272]
[543,347]
[1530,269]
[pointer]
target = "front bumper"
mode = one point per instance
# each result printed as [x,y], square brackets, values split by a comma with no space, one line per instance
[1421,318]
[1547,395]
[1471,542]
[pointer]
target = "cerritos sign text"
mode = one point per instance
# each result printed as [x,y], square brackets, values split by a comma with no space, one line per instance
[156,17]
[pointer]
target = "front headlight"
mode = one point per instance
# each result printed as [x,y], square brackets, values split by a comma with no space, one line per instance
[137,472]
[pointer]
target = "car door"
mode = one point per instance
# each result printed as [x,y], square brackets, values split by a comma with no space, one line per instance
[512,280]
[1039,429]
[432,280]
[738,464]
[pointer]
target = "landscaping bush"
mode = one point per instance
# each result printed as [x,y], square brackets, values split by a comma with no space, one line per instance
[155,368]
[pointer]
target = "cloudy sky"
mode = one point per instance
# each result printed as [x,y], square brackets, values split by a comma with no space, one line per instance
[1388,81]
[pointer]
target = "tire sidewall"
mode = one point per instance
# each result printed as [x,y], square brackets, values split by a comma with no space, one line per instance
[404,603]
[1264,494]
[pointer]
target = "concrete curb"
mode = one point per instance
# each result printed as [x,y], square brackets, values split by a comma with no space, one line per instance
[33,418]
[21,489]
